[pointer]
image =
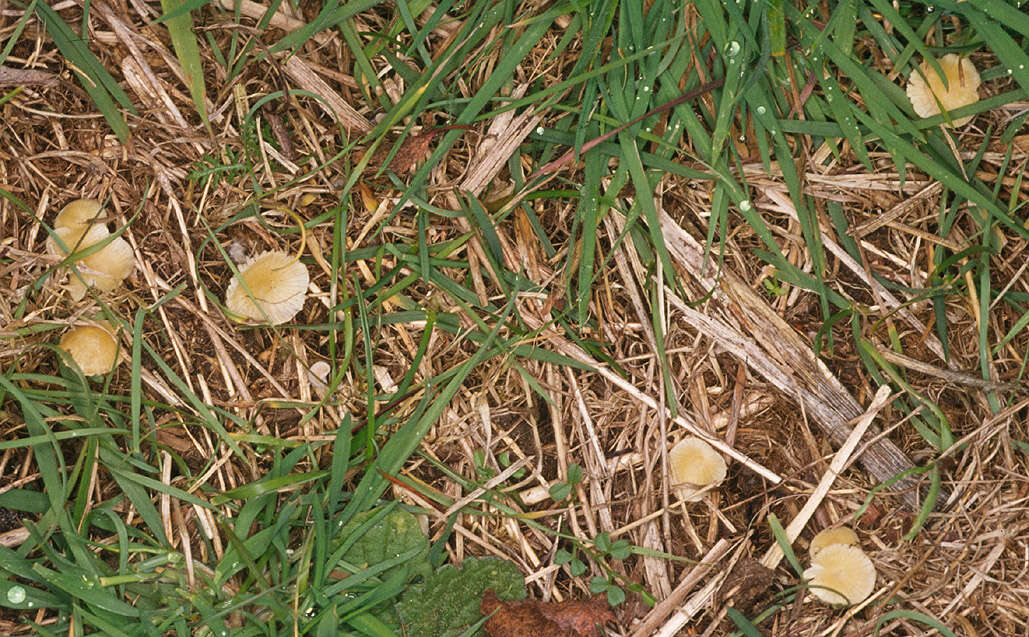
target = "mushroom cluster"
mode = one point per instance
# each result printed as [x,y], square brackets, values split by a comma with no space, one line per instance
[694,465]
[840,572]
[75,231]
[959,86]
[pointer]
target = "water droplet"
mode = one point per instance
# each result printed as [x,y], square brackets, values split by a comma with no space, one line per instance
[30,604]
[1021,66]
[646,89]
[761,110]
[930,9]
[16,594]
[732,49]
[745,205]
[1009,71]
[539,130]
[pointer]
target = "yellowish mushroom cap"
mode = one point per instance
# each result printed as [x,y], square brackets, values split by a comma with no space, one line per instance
[841,574]
[828,537]
[75,239]
[92,347]
[925,87]
[105,269]
[694,464]
[274,291]
[78,214]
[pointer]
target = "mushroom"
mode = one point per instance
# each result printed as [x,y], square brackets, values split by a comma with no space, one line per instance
[93,348]
[927,92]
[828,537]
[841,574]
[694,465]
[270,287]
[318,376]
[73,232]
[78,214]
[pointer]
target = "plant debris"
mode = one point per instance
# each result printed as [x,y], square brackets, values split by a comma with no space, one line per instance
[533,618]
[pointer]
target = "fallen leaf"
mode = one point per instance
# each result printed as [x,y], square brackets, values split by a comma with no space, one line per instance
[412,151]
[532,618]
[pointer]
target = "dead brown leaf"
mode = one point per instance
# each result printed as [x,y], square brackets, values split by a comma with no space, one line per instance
[412,151]
[533,618]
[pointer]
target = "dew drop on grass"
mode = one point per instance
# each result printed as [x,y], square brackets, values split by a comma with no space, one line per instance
[761,110]
[732,49]
[745,205]
[16,594]
[539,130]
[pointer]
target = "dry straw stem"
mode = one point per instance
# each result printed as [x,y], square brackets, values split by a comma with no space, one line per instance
[885,297]
[568,348]
[701,598]
[774,555]
[671,603]
[300,72]
[504,135]
[777,352]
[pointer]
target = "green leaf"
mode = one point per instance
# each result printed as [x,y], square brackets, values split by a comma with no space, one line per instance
[394,533]
[447,602]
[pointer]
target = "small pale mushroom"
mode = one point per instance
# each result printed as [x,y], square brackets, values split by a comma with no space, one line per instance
[841,574]
[925,87]
[318,376]
[694,464]
[270,287]
[93,348]
[78,215]
[828,537]
[73,232]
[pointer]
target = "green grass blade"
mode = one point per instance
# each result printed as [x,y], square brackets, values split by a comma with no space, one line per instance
[180,29]
[101,87]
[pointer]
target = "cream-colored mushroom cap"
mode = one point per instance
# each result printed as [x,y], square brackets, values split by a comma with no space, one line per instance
[105,269]
[274,291]
[695,464]
[925,87]
[828,537]
[78,214]
[841,574]
[75,238]
[92,347]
